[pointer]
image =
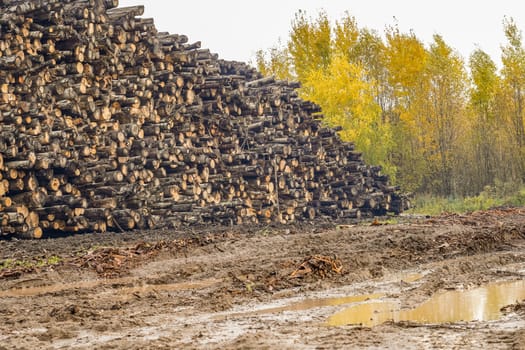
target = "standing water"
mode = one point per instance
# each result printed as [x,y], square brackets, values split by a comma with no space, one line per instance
[480,304]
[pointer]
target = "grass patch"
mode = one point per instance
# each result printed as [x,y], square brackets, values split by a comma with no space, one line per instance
[499,195]
[14,263]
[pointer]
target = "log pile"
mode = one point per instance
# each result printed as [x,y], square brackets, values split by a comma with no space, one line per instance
[108,124]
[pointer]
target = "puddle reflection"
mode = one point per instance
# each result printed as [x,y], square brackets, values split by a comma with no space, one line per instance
[368,315]
[411,277]
[480,304]
[310,304]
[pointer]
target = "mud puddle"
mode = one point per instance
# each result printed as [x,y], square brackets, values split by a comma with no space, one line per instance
[480,304]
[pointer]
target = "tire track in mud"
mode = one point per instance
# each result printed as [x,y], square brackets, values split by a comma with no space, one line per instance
[204,295]
[137,287]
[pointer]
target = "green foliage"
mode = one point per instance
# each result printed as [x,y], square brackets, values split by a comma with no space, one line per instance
[499,195]
[15,263]
[53,260]
[6,264]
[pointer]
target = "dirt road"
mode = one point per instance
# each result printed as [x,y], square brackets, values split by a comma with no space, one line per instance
[300,287]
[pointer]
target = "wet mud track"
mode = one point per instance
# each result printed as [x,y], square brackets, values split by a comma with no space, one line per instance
[265,287]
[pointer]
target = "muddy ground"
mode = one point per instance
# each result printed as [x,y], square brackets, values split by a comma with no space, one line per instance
[261,287]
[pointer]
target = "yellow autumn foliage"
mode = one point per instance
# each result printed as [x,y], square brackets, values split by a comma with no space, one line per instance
[347,100]
[413,107]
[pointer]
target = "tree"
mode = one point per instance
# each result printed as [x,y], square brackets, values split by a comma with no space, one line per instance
[445,107]
[405,59]
[346,36]
[276,63]
[485,84]
[513,58]
[370,52]
[347,100]
[310,44]
[409,107]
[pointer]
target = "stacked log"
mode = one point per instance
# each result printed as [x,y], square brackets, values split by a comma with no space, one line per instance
[108,124]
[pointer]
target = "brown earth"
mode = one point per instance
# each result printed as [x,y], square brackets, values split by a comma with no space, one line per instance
[259,287]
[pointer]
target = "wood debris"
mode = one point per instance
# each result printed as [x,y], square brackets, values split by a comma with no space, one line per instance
[110,261]
[320,265]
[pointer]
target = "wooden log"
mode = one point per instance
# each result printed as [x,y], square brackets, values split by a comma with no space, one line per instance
[33,233]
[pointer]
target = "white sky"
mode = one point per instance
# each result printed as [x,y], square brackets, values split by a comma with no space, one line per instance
[235,29]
